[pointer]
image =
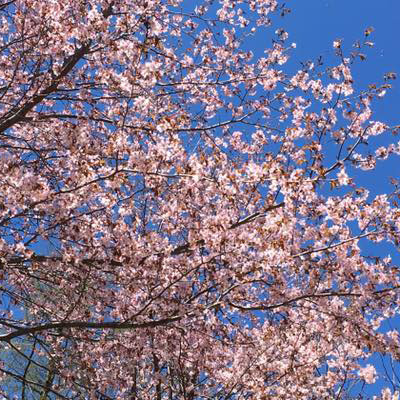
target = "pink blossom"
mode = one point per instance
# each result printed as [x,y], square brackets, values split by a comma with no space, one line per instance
[368,374]
[343,178]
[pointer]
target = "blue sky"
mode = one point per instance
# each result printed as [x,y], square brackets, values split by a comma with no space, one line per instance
[314,24]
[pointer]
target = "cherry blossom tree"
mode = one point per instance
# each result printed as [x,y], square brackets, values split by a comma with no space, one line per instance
[181,218]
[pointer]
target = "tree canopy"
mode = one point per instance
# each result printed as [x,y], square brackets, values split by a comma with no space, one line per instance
[180,218]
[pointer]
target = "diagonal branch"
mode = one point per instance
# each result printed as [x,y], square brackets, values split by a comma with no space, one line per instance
[309,296]
[69,64]
[188,247]
[331,246]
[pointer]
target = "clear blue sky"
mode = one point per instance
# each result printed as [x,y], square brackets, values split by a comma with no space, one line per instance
[314,24]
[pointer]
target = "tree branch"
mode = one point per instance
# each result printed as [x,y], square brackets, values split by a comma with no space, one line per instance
[309,296]
[86,325]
